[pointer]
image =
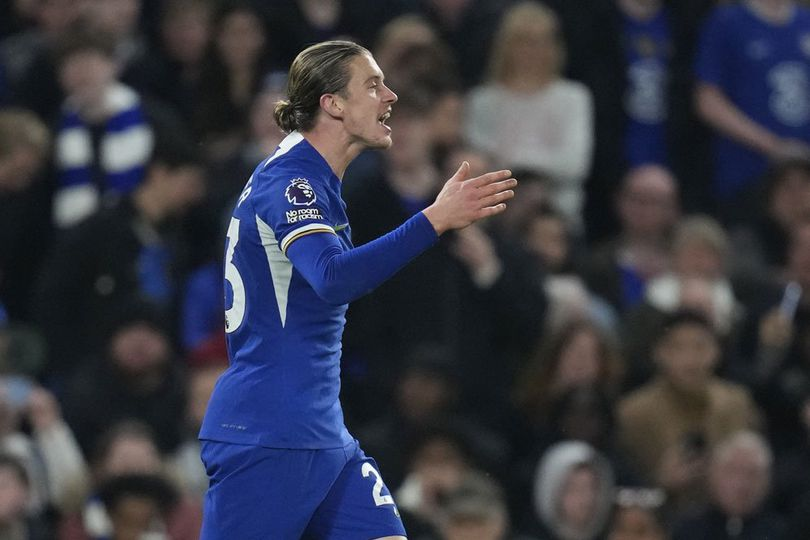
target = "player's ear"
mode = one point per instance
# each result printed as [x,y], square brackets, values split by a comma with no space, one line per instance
[332,105]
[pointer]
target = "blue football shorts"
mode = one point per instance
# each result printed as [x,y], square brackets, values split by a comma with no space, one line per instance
[258,493]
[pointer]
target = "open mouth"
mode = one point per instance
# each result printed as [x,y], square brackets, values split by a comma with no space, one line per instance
[384,117]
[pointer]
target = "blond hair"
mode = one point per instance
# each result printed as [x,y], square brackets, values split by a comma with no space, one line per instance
[320,69]
[704,230]
[517,20]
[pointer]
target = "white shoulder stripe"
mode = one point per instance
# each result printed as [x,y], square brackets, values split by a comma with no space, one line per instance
[285,146]
[306,229]
[280,267]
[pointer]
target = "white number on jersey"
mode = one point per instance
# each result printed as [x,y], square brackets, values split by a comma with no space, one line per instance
[235,314]
[379,498]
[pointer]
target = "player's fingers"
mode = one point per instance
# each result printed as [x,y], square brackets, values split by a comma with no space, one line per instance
[461,174]
[491,210]
[497,187]
[500,197]
[490,177]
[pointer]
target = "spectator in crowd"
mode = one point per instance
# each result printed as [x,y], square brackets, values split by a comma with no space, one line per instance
[739,482]
[296,24]
[125,449]
[636,515]
[647,52]
[668,426]
[636,57]
[583,414]
[698,280]
[232,74]
[18,51]
[55,468]
[426,391]
[544,234]
[573,492]
[206,364]
[577,354]
[762,229]
[700,249]
[412,51]
[24,201]
[132,249]
[119,19]
[171,72]
[138,506]
[647,207]
[103,140]
[506,227]
[476,510]
[527,115]
[778,361]
[32,78]
[138,377]
[399,36]
[17,520]
[468,27]
[440,461]
[752,73]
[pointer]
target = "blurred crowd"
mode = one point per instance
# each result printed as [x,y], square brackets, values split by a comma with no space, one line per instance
[624,354]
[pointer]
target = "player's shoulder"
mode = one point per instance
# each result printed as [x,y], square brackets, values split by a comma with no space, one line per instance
[294,172]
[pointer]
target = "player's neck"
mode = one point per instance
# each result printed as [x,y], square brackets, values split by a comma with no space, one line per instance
[335,147]
[772,11]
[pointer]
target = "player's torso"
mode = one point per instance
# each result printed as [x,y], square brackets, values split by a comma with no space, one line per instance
[283,383]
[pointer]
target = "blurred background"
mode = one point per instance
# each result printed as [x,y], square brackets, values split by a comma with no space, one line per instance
[624,354]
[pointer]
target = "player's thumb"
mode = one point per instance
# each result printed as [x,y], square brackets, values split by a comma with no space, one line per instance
[462,173]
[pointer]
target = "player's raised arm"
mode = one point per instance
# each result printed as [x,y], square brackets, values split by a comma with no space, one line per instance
[465,200]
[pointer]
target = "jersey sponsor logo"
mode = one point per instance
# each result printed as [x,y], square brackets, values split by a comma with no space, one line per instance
[303,214]
[790,93]
[300,192]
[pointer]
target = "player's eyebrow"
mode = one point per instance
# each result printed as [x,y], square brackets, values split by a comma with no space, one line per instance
[375,78]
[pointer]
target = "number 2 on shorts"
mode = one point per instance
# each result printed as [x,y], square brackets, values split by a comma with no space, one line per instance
[379,498]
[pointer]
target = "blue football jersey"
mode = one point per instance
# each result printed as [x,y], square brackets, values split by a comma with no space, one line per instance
[282,387]
[764,69]
[647,52]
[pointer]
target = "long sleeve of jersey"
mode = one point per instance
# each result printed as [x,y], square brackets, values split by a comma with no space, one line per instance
[340,276]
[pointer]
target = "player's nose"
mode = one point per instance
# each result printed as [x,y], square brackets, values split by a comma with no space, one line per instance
[390,97]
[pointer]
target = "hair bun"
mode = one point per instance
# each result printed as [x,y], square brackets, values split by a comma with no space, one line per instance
[284,115]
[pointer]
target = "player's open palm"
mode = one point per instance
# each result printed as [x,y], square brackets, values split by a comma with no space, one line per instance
[465,200]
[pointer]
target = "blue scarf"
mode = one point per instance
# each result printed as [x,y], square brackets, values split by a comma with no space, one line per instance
[124,152]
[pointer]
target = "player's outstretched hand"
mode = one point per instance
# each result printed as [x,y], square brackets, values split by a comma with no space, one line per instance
[465,200]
